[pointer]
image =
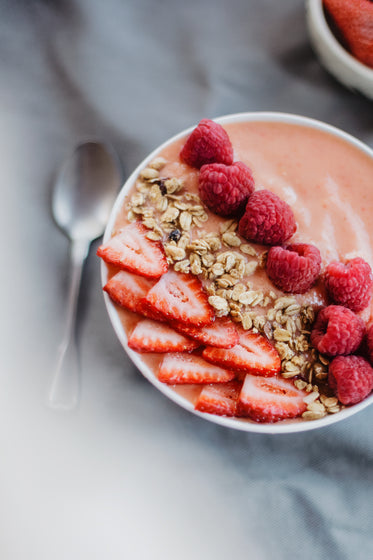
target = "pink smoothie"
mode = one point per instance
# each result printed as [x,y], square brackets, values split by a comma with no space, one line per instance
[327,182]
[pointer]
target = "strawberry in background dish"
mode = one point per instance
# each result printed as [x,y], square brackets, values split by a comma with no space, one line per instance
[352,21]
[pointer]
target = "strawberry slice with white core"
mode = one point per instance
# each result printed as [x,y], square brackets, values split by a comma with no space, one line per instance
[180,297]
[131,250]
[181,368]
[219,398]
[222,333]
[152,336]
[129,290]
[270,399]
[253,354]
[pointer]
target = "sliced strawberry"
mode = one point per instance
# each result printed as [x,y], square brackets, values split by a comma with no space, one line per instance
[152,336]
[220,398]
[253,354]
[270,399]
[129,290]
[180,297]
[221,333]
[180,368]
[131,250]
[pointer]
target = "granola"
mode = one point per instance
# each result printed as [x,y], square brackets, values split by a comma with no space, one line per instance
[226,263]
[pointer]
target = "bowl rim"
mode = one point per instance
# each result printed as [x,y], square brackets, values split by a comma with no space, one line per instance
[235,423]
[317,14]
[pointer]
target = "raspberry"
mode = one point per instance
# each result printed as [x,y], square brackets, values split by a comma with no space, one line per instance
[337,331]
[225,189]
[267,219]
[349,284]
[294,268]
[208,143]
[351,378]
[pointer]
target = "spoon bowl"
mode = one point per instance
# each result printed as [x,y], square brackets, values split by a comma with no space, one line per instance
[85,189]
[83,195]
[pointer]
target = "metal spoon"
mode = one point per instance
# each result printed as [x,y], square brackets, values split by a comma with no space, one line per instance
[83,195]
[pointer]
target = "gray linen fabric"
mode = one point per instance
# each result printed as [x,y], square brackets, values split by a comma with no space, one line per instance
[130,475]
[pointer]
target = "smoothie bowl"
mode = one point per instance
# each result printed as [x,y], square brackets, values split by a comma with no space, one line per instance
[236,268]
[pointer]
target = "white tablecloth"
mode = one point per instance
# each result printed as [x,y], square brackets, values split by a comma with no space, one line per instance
[130,475]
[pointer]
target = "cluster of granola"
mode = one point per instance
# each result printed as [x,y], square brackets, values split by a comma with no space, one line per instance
[225,263]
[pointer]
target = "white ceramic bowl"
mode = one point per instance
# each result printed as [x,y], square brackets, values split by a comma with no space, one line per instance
[339,62]
[236,423]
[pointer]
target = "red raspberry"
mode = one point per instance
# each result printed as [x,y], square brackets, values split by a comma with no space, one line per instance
[349,284]
[337,331]
[351,378]
[225,189]
[294,268]
[208,143]
[267,219]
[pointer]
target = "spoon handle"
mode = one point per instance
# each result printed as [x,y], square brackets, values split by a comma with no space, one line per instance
[65,388]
